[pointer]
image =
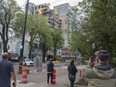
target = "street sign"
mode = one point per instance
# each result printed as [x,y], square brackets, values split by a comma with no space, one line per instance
[93,45]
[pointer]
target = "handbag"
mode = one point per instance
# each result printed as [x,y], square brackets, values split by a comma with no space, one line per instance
[72,76]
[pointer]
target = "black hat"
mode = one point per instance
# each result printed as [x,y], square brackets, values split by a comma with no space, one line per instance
[103,55]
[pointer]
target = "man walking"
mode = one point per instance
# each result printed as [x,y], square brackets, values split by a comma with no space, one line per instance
[50,70]
[102,74]
[6,72]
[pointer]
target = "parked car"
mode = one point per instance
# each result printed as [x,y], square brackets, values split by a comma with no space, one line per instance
[27,62]
[13,57]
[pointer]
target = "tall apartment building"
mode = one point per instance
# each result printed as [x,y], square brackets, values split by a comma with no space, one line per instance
[61,11]
[44,9]
[56,17]
[31,9]
[55,21]
[38,9]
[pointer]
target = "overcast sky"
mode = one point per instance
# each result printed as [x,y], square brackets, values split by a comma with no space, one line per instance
[52,2]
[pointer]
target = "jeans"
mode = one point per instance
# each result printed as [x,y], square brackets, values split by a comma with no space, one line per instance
[72,80]
[48,77]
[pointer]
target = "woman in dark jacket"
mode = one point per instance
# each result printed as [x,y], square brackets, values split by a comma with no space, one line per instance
[72,70]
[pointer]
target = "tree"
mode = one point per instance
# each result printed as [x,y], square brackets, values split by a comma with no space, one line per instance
[37,29]
[97,23]
[78,39]
[40,33]
[8,10]
[101,19]
[45,41]
[57,40]
[19,25]
[36,24]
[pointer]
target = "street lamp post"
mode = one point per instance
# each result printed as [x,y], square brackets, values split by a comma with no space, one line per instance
[23,38]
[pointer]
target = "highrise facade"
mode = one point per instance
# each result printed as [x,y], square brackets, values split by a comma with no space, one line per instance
[55,21]
[61,11]
[54,16]
[31,9]
[44,9]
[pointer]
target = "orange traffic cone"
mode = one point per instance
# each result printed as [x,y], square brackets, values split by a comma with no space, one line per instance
[81,73]
[24,76]
[54,77]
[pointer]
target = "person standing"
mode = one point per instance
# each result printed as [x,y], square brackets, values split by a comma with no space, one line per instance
[72,70]
[6,72]
[50,70]
[102,74]
[91,62]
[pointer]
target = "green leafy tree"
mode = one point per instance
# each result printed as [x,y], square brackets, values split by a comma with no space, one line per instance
[45,41]
[8,10]
[37,29]
[78,38]
[57,40]
[19,25]
[100,23]
[97,23]
[36,23]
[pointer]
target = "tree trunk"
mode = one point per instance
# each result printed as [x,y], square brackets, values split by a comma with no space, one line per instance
[55,54]
[55,49]
[4,39]
[5,42]
[31,43]
[30,49]
[43,59]
[44,52]
[5,47]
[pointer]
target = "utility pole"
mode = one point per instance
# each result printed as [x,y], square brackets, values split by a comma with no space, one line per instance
[23,38]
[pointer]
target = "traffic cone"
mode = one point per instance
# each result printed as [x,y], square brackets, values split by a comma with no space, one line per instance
[24,76]
[54,77]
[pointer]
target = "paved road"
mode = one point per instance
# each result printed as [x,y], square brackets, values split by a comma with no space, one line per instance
[38,79]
